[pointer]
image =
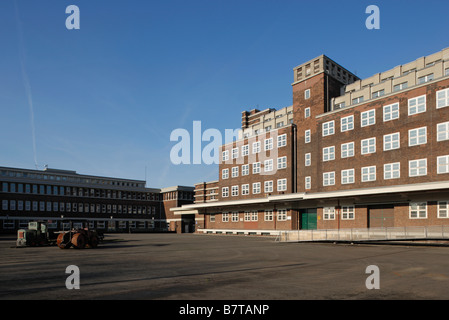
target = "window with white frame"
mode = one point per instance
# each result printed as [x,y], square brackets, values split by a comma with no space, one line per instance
[268,165]
[225,217]
[268,186]
[245,150]
[368,118]
[329,213]
[235,217]
[347,213]
[377,94]
[347,176]
[369,174]
[368,145]
[307,94]
[225,192]
[443,98]
[254,215]
[347,123]
[417,105]
[235,153]
[400,86]
[245,169]
[357,100]
[256,147]
[282,140]
[417,168]
[245,189]
[282,162]
[443,164]
[268,216]
[329,153]
[235,172]
[328,128]
[225,155]
[307,136]
[247,216]
[425,78]
[417,136]
[391,112]
[443,209]
[308,159]
[225,173]
[392,141]
[347,150]
[306,112]
[282,184]
[256,188]
[328,178]
[256,167]
[443,131]
[418,210]
[446,72]
[308,183]
[392,170]
[282,215]
[268,144]
[235,191]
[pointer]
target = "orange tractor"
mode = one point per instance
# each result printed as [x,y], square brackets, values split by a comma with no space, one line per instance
[79,238]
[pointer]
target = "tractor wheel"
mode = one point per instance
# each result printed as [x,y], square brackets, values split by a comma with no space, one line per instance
[63,241]
[79,241]
[93,242]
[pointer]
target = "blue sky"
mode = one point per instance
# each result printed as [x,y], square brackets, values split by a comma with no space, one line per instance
[106,98]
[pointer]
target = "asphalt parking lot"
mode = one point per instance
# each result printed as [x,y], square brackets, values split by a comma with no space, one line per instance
[219,267]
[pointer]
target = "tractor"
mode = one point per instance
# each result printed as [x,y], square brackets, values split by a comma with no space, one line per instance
[37,234]
[79,238]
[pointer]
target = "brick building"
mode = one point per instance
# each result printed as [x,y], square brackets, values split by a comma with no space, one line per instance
[348,153]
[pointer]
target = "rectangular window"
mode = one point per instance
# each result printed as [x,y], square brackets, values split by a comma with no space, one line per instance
[425,79]
[443,131]
[347,123]
[347,213]
[4,205]
[347,176]
[256,167]
[235,191]
[268,144]
[245,189]
[282,140]
[328,128]
[328,178]
[369,174]
[307,94]
[417,105]
[282,162]
[443,207]
[392,141]
[368,145]
[235,172]
[254,216]
[347,150]
[282,215]
[268,186]
[225,192]
[306,112]
[225,155]
[417,136]
[308,159]
[357,100]
[282,184]
[443,98]
[245,150]
[329,153]
[308,183]
[446,72]
[392,170]
[400,86]
[418,210]
[443,164]
[225,173]
[268,216]
[256,188]
[307,136]
[391,112]
[368,118]
[235,153]
[225,217]
[256,147]
[417,168]
[245,169]
[235,217]
[247,216]
[329,213]
[268,165]
[378,94]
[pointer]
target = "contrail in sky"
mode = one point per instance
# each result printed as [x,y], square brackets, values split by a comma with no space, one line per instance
[26,81]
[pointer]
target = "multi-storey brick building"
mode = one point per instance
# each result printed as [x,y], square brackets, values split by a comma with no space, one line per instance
[357,153]
[108,204]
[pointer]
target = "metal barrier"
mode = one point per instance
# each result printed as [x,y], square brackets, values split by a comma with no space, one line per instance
[366,234]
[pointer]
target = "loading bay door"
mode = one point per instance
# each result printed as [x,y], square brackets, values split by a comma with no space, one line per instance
[380,216]
[308,219]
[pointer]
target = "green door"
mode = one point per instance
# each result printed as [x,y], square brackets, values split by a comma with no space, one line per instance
[308,219]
